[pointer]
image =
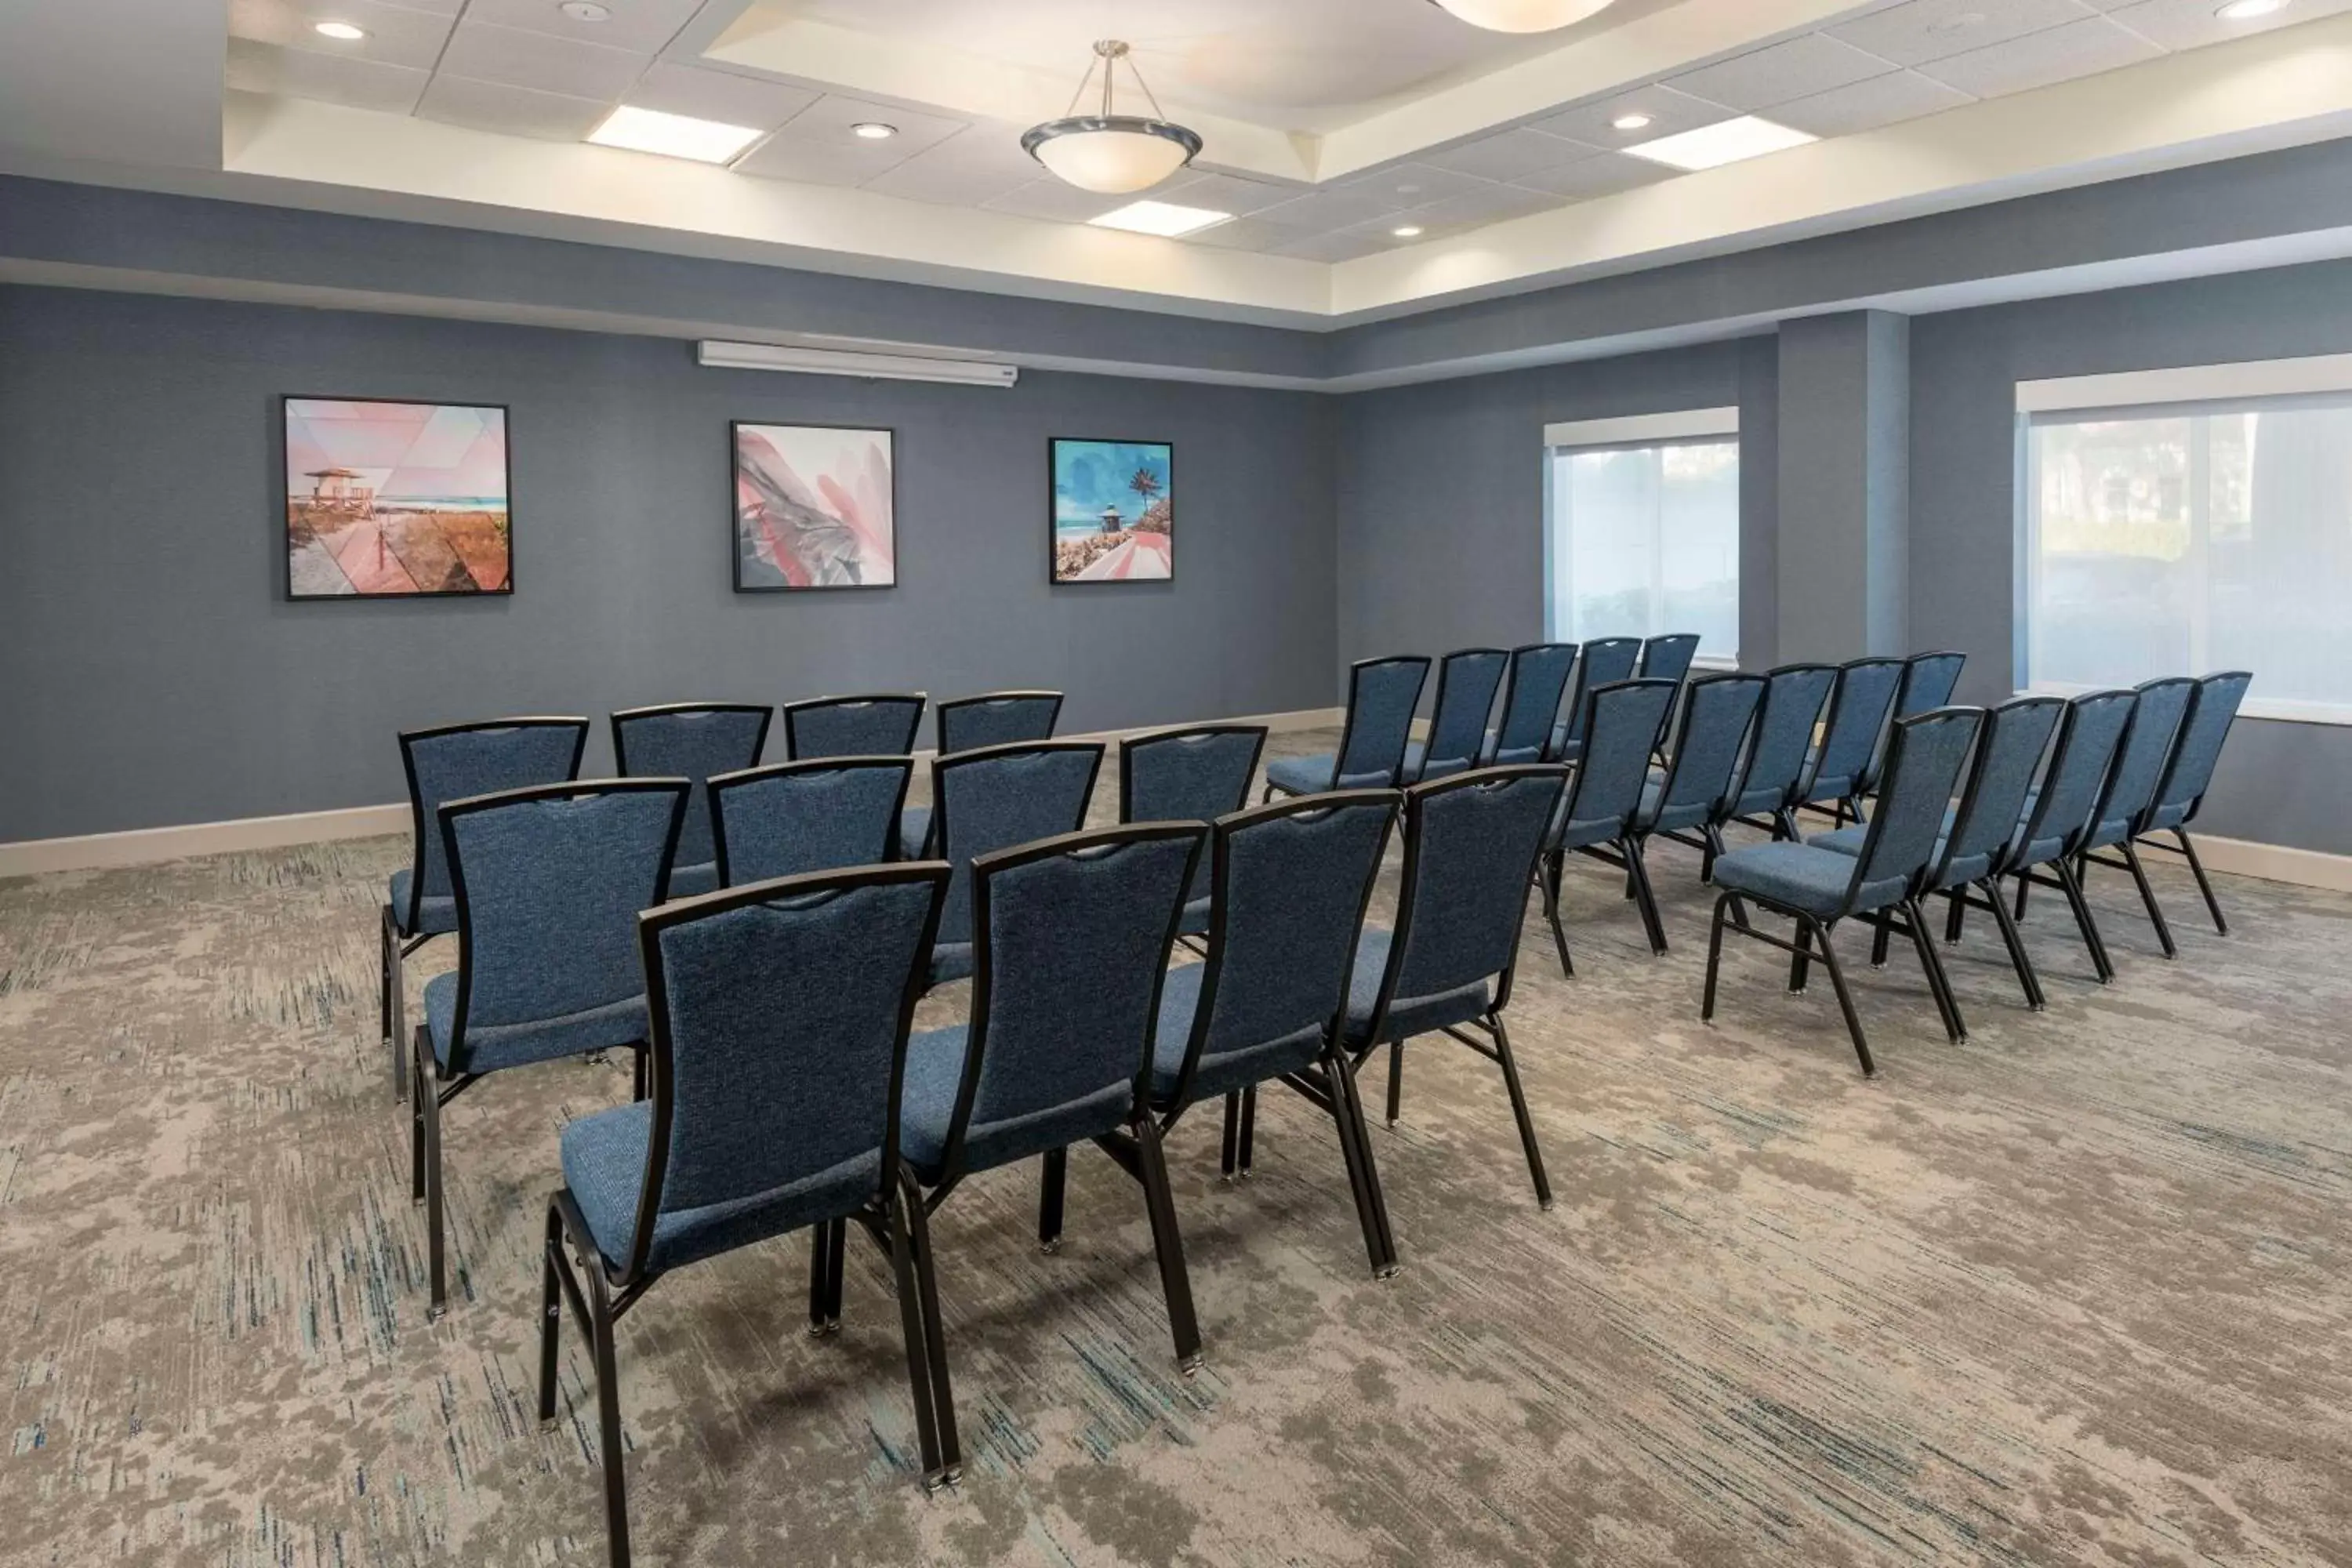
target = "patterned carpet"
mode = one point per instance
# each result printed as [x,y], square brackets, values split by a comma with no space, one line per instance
[2075,1291]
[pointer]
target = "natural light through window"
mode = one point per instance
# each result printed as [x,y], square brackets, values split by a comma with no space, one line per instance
[1643,539]
[2184,540]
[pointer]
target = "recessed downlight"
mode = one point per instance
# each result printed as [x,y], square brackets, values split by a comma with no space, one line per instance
[586,11]
[873,130]
[341,32]
[1407,231]
[1634,121]
[2247,10]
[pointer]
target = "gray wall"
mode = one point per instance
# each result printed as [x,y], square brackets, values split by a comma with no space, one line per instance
[155,674]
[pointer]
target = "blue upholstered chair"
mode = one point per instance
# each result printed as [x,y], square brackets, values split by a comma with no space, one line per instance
[993,799]
[1817,888]
[1292,882]
[695,742]
[1597,814]
[2124,807]
[1382,694]
[870,726]
[1839,769]
[1980,835]
[1928,679]
[2059,811]
[446,764]
[1794,695]
[548,882]
[823,814]
[1531,699]
[1189,776]
[1073,934]
[1471,843]
[780,1015]
[974,724]
[1605,662]
[2212,709]
[1691,803]
[1467,681]
[1668,658]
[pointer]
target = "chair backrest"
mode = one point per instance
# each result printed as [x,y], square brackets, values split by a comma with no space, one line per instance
[1467,680]
[1924,765]
[1606,661]
[695,742]
[1073,937]
[1668,658]
[2087,737]
[1928,681]
[1382,694]
[1718,710]
[1000,796]
[1188,776]
[1470,848]
[998,718]
[1292,881]
[2010,748]
[2146,747]
[780,1015]
[2212,709]
[1620,726]
[1539,673]
[1793,698]
[793,819]
[1858,711]
[548,882]
[883,725]
[456,761]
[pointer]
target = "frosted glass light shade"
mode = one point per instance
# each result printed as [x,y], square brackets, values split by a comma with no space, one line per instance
[1115,156]
[1523,15]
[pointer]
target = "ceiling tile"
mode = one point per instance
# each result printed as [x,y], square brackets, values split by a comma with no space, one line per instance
[514,110]
[1921,30]
[2191,24]
[1799,68]
[1510,155]
[2078,50]
[1403,185]
[1327,209]
[985,147]
[829,120]
[1049,198]
[299,73]
[925,178]
[641,26]
[1339,246]
[1604,175]
[1867,105]
[845,163]
[718,95]
[1670,113]
[396,35]
[481,51]
[1470,209]
[1224,193]
[1246,233]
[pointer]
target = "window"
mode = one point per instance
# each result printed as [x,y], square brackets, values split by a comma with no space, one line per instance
[1642,532]
[2189,537]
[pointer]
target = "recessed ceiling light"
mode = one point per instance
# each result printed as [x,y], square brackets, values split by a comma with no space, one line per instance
[874,130]
[1164,218]
[673,135]
[2247,10]
[586,11]
[1407,231]
[341,32]
[1711,146]
[1631,122]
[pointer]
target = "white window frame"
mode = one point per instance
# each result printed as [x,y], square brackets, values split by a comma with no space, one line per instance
[1676,428]
[2148,393]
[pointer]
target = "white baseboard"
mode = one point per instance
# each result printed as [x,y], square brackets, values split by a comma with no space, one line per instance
[145,846]
[2275,863]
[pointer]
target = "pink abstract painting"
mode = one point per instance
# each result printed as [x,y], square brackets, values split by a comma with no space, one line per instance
[813,508]
[391,499]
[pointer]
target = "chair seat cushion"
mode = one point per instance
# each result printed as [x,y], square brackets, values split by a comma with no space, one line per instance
[1565,835]
[1408,1015]
[490,1047]
[2171,815]
[1849,840]
[1223,1071]
[914,827]
[1794,875]
[2114,830]
[685,881]
[1194,921]
[935,1063]
[1301,775]
[437,916]
[1656,817]
[1418,769]
[603,1159]
[950,961]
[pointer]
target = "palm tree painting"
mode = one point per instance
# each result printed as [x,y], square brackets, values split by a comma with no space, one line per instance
[1114,512]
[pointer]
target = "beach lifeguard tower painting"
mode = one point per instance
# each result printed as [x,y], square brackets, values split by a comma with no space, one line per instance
[1114,510]
[387,499]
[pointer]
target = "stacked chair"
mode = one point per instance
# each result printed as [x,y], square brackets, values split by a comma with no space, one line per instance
[1691,803]
[1467,681]
[1382,694]
[2212,709]
[1598,813]
[1531,698]
[1605,662]
[1838,773]
[1774,769]
[2124,807]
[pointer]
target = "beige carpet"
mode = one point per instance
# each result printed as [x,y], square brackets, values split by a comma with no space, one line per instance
[2077,1291]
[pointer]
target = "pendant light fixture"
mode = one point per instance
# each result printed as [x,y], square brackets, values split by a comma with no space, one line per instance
[1112,153]
[1522,15]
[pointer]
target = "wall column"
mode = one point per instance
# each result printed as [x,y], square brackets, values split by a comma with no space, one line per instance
[1843,567]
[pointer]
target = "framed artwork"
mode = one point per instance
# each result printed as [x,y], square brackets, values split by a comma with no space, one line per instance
[1114,510]
[815,507]
[393,500]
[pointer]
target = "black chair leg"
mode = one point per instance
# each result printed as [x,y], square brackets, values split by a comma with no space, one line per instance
[1715,846]
[1714,959]
[1169,1242]
[1882,931]
[1939,981]
[1550,872]
[1520,1108]
[386,945]
[608,1416]
[1637,872]
[2018,958]
[1229,1154]
[426,1179]
[2148,897]
[1363,1176]
[550,1311]
[1955,913]
[397,1007]
[911,1328]
[1800,969]
[2024,886]
[1248,1141]
[935,1340]
[1396,1081]
[2204,883]
[1053,1180]
[1845,999]
[2071,885]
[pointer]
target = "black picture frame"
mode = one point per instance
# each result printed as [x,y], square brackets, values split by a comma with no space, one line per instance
[286,400]
[1054,445]
[735,519]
